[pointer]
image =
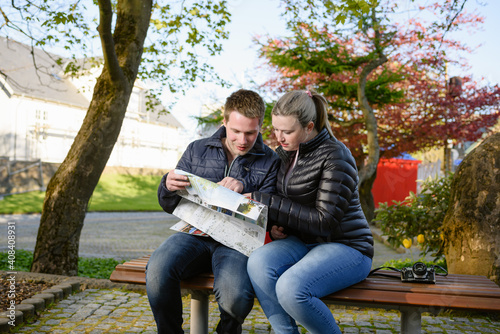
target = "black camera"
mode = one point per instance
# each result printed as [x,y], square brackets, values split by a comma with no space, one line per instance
[418,273]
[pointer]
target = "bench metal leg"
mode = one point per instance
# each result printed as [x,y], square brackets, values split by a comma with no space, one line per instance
[199,312]
[411,320]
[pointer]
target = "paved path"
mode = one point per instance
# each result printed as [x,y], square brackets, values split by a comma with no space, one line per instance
[119,235]
[131,235]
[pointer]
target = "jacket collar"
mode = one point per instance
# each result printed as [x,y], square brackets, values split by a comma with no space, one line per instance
[216,141]
[309,146]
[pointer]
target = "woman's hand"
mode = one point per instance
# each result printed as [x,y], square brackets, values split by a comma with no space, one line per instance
[277,232]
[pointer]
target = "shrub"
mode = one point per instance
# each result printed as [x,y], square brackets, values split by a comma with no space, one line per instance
[418,214]
[406,263]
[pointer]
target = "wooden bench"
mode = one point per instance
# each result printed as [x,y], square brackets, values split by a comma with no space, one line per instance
[462,292]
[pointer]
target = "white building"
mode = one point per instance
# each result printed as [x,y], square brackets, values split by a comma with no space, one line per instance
[42,110]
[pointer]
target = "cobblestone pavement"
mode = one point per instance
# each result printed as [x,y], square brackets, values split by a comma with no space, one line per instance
[116,310]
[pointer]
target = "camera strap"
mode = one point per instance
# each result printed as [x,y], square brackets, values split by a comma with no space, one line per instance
[445,272]
[374,271]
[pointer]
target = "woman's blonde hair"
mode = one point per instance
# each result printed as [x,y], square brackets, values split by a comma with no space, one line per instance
[307,106]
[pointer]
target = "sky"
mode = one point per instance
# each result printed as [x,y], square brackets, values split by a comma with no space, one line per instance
[238,61]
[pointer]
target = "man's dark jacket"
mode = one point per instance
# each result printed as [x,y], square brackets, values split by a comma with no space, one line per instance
[320,203]
[257,169]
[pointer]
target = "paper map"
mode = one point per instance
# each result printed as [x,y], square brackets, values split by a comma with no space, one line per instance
[225,215]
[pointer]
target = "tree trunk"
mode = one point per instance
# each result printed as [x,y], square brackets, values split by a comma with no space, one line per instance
[366,197]
[471,228]
[368,171]
[69,190]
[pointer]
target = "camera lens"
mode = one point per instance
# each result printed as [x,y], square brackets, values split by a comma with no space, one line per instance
[419,268]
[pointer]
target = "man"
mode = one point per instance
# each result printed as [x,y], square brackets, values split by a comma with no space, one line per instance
[235,157]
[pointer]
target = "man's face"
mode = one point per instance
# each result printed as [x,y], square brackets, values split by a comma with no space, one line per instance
[241,133]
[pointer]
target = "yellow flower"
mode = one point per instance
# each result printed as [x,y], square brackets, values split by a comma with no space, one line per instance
[407,243]
[441,236]
[420,238]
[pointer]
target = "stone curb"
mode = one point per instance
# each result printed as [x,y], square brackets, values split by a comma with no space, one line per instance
[62,288]
[84,282]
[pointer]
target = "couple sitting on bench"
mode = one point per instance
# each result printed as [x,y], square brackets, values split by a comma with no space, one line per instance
[321,239]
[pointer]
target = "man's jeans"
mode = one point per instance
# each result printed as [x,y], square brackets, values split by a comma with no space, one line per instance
[290,277]
[182,256]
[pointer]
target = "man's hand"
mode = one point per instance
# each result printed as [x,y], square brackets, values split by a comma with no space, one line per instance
[277,232]
[231,183]
[176,181]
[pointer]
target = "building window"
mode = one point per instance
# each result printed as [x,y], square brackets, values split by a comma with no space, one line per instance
[41,125]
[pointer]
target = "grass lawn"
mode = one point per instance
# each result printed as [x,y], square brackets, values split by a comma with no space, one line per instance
[87,267]
[114,192]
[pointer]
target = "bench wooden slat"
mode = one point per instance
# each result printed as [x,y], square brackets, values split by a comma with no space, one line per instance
[467,292]
[203,281]
[442,284]
[420,299]
[129,274]
[452,291]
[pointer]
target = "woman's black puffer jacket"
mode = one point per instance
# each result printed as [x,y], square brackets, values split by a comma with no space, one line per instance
[320,203]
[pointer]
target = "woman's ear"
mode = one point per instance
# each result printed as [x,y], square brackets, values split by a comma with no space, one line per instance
[310,127]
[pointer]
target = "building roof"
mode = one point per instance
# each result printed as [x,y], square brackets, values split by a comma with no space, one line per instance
[165,118]
[21,77]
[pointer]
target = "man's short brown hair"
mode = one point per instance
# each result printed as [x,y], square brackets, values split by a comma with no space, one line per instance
[246,102]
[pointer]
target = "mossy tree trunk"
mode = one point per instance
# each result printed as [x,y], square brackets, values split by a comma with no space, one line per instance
[471,228]
[366,197]
[69,190]
[368,172]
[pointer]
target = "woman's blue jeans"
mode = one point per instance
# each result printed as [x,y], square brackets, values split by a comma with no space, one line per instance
[182,256]
[289,278]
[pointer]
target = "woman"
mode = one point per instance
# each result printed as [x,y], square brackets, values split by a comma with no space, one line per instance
[322,242]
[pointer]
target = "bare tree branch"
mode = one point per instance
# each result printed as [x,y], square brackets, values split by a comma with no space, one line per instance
[450,23]
[107,42]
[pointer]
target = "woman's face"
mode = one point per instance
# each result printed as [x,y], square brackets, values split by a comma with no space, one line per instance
[289,132]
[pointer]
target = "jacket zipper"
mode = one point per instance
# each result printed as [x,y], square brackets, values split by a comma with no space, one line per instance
[227,171]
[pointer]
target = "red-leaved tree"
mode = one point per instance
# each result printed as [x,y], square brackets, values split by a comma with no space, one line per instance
[414,105]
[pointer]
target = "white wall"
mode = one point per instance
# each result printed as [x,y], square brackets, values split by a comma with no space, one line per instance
[147,145]
[35,129]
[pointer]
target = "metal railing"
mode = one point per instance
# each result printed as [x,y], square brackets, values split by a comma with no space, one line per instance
[8,166]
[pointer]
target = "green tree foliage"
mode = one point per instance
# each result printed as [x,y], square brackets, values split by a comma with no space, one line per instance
[179,33]
[181,36]
[418,214]
[409,93]
[386,81]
